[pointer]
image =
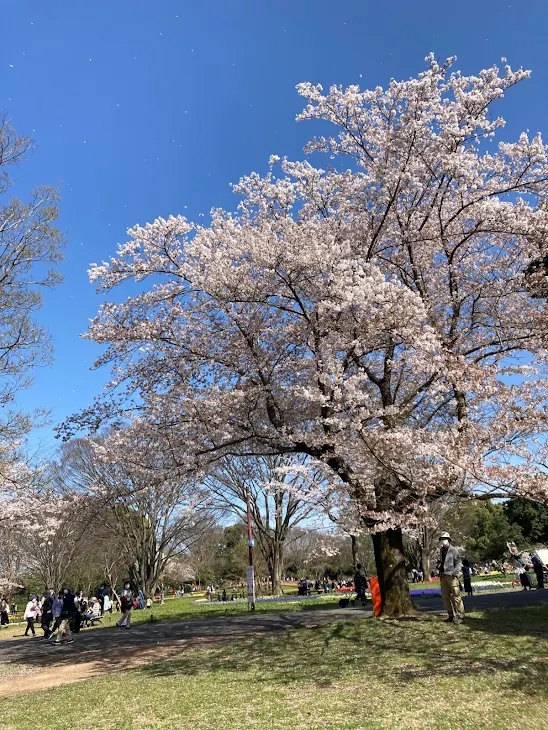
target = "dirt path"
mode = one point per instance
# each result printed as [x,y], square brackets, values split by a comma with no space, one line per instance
[56,674]
[33,665]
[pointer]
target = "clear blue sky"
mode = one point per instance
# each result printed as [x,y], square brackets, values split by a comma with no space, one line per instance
[141,109]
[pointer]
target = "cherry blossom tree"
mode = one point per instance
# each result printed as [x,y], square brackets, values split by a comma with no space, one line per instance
[319,553]
[12,557]
[29,245]
[377,319]
[54,539]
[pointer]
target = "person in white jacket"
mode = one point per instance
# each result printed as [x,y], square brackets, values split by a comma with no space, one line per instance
[32,611]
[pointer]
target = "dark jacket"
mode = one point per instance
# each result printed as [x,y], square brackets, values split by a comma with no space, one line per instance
[69,607]
[360,580]
[47,606]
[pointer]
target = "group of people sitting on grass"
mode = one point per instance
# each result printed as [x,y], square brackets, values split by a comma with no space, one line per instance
[306,586]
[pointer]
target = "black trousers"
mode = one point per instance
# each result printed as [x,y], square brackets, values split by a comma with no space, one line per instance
[56,624]
[540,577]
[30,626]
[76,622]
[46,623]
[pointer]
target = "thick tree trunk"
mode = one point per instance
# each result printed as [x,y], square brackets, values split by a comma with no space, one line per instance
[392,575]
[149,589]
[145,575]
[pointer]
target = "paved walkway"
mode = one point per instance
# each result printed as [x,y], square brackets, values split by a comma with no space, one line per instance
[496,600]
[99,651]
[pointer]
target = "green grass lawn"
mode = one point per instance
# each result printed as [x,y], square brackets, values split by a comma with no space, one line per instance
[186,609]
[489,674]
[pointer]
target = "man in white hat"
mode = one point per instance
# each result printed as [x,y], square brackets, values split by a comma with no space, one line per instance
[450,568]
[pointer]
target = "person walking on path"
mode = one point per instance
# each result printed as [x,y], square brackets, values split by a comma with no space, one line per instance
[4,611]
[360,583]
[76,619]
[47,614]
[538,567]
[56,608]
[31,612]
[126,604]
[449,568]
[68,610]
[467,576]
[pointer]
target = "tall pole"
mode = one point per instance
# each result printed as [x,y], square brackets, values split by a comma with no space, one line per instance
[250,573]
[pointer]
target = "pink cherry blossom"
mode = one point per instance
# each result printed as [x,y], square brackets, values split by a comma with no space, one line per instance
[375,318]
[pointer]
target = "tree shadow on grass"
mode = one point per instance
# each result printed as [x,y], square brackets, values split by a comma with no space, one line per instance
[103,647]
[526,632]
[393,652]
[512,644]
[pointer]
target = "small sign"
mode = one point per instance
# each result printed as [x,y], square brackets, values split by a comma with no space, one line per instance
[251,542]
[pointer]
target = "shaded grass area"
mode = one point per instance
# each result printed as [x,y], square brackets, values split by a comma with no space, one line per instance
[488,674]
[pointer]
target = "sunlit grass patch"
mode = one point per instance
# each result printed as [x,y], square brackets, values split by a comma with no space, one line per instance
[489,673]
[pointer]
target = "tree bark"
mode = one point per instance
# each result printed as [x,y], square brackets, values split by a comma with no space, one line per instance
[392,575]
